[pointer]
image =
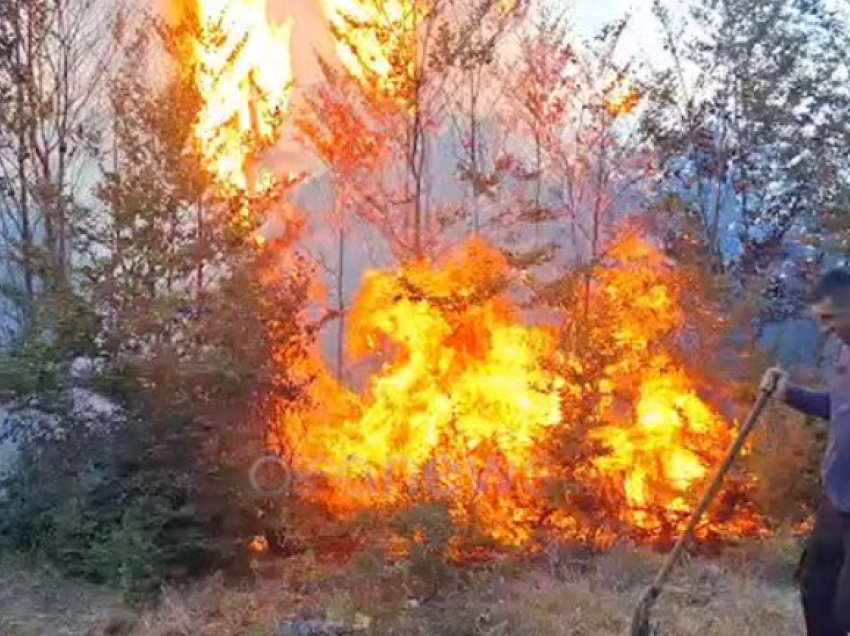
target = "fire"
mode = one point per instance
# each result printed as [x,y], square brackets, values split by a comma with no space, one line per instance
[376,41]
[621,97]
[244,77]
[661,455]
[467,395]
[656,460]
[462,398]
[623,102]
[464,403]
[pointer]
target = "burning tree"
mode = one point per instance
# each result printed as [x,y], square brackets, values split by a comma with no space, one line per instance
[244,100]
[527,368]
[615,408]
[640,432]
[193,328]
[379,121]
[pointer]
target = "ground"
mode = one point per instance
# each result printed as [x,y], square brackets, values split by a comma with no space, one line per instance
[558,594]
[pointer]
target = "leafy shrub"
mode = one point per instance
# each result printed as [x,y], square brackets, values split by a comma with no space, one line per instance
[130,505]
[428,529]
[157,490]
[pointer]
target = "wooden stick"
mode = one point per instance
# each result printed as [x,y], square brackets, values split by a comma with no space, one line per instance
[641,619]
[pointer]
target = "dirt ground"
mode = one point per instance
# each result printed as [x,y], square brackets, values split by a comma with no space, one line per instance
[552,596]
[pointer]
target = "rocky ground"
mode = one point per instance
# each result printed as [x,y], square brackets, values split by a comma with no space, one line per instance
[553,596]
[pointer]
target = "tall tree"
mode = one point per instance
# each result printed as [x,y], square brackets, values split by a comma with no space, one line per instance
[749,123]
[54,59]
[380,120]
[577,169]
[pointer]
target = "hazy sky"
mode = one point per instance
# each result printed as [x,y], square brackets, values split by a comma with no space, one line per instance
[642,37]
[595,12]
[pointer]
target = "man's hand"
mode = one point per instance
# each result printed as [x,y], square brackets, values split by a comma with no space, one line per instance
[775,382]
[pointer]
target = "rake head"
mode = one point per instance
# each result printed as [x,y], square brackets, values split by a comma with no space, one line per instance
[642,619]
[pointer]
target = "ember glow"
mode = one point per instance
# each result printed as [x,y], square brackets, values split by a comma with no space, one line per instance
[464,406]
[244,76]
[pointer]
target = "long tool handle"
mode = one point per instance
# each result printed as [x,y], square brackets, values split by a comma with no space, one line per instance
[654,591]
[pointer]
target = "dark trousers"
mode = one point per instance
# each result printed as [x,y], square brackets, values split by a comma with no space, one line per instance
[825,574]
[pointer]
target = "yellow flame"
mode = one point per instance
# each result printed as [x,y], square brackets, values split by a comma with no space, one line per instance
[462,400]
[244,76]
[465,404]
[621,98]
[376,41]
[658,455]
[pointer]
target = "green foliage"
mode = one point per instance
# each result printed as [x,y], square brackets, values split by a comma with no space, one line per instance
[194,328]
[63,326]
[132,505]
[757,132]
[428,529]
[31,367]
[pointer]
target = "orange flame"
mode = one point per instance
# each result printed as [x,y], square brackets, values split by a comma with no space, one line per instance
[464,404]
[656,460]
[621,98]
[462,397]
[623,103]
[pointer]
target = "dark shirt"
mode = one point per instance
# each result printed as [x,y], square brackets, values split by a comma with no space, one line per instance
[834,406]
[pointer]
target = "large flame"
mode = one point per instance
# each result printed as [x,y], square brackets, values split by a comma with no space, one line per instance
[462,397]
[244,76]
[464,404]
[657,459]
[467,397]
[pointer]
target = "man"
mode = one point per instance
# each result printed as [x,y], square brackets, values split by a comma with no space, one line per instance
[825,573]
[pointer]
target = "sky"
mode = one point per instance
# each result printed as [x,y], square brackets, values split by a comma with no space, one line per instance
[591,13]
[642,36]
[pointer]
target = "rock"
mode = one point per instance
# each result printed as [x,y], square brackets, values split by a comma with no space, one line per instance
[362,622]
[84,368]
[93,409]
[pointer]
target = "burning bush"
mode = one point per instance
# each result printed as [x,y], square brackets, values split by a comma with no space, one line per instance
[476,407]
[637,435]
[457,410]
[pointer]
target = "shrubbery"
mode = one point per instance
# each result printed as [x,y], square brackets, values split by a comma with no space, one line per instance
[193,329]
[132,502]
[138,473]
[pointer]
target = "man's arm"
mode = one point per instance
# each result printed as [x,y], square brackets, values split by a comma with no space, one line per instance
[807,402]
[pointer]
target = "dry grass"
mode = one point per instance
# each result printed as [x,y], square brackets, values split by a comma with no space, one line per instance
[702,601]
[35,602]
[557,596]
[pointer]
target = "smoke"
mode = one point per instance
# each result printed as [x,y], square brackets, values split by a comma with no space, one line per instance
[310,39]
